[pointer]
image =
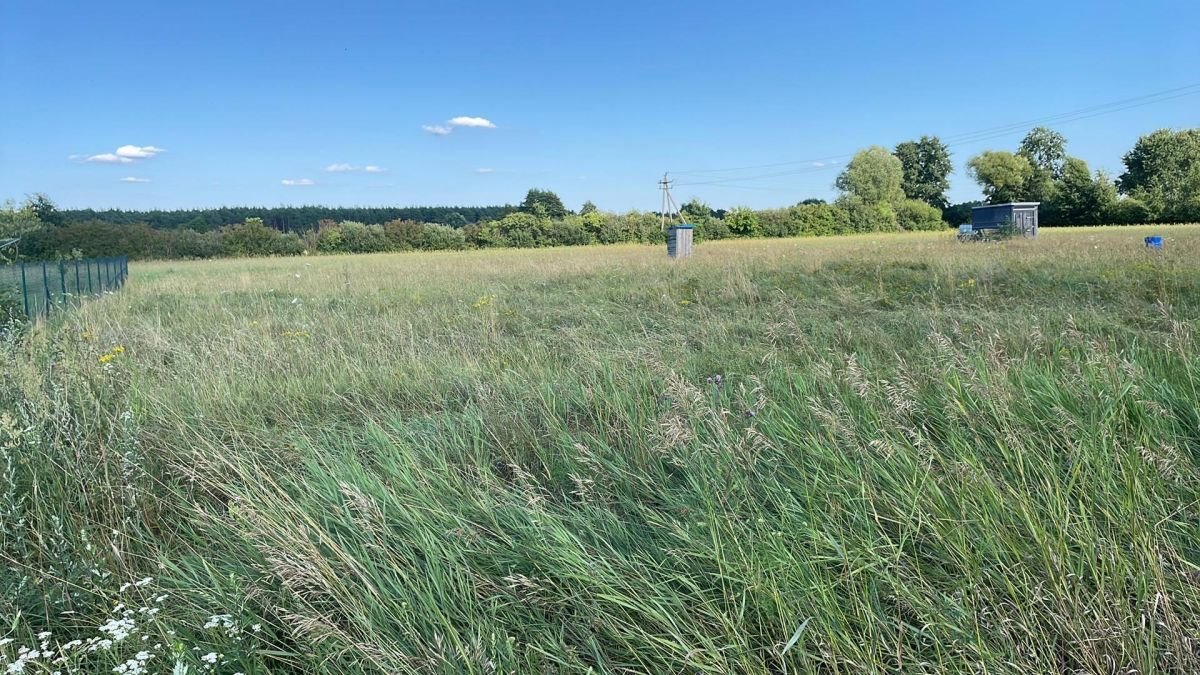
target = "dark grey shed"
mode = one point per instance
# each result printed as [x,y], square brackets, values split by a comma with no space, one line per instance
[1023,216]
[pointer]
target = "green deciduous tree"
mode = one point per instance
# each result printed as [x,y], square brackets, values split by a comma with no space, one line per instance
[1162,171]
[874,175]
[1080,197]
[18,221]
[927,166]
[1046,150]
[588,207]
[1003,176]
[550,203]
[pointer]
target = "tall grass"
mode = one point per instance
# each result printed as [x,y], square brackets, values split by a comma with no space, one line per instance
[867,454]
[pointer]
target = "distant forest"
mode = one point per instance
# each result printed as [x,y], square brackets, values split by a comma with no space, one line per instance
[285,218]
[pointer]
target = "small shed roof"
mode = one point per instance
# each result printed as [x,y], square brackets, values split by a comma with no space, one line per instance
[992,206]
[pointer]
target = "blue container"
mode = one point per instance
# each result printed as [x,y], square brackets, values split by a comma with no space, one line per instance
[1154,242]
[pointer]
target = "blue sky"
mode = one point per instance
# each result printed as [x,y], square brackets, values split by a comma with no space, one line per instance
[219,103]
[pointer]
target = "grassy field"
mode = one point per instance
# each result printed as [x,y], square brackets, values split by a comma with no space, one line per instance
[871,454]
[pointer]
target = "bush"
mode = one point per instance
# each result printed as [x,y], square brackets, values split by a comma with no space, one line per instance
[914,214]
[778,223]
[252,238]
[190,244]
[743,222]
[820,219]
[11,303]
[711,229]
[866,217]
[360,238]
[330,240]
[570,231]
[405,235]
[441,238]
[1127,211]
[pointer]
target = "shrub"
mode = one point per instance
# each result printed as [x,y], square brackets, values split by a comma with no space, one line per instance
[1127,211]
[866,217]
[404,235]
[252,238]
[441,238]
[330,240]
[778,223]
[360,238]
[820,219]
[914,214]
[743,222]
[569,231]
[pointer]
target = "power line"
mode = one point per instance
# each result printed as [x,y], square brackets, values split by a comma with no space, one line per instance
[825,163]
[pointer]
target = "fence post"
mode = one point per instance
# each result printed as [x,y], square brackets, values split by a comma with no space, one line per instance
[78,290]
[91,286]
[24,289]
[62,278]
[46,288]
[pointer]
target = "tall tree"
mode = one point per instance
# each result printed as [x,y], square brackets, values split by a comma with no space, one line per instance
[927,168]
[588,207]
[1082,199]
[550,202]
[1003,176]
[1046,150]
[1163,172]
[874,175]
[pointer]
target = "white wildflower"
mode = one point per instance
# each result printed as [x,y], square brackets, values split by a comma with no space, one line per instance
[210,657]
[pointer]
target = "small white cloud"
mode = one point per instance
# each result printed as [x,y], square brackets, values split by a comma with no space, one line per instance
[818,164]
[477,122]
[125,154]
[460,121]
[485,171]
[108,158]
[371,168]
[341,168]
[298,181]
[131,179]
[138,151]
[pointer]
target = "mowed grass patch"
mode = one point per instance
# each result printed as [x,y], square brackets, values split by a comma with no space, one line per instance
[879,453]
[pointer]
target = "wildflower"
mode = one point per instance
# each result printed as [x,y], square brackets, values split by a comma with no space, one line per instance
[483,301]
[43,635]
[210,657]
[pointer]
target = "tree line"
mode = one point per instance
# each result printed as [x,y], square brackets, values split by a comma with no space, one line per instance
[880,190]
[283,218]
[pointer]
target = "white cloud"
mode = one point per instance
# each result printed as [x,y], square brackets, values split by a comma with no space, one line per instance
[460,121]
[298,181]
[138,152]
[478,122]
[818,164]
[126,154]
[131,179]
[348,168]
[485,171]
[108,158]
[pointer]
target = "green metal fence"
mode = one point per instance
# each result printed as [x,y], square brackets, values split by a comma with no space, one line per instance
[39,289]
